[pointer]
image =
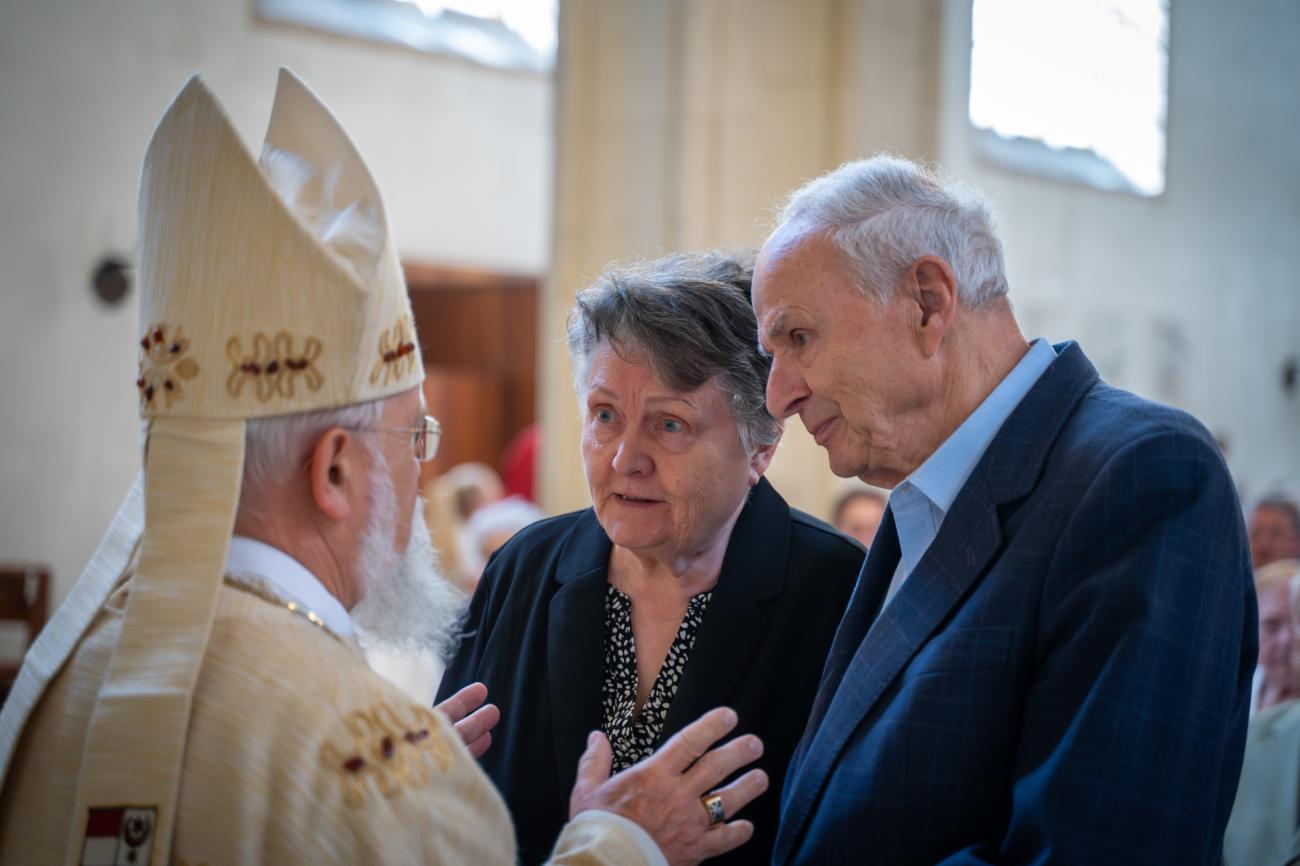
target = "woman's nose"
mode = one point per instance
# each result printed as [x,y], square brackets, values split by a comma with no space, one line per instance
[631,457]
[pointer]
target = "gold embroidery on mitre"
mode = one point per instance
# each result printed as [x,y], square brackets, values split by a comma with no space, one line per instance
[386,752]
[396,352]
[273,366]
[164,366]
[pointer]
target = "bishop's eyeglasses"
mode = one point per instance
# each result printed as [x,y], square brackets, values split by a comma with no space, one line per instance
[424,436]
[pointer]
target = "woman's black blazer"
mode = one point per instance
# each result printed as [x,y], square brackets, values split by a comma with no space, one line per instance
[535,636]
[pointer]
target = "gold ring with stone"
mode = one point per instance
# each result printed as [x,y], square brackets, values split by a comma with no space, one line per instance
[713,805]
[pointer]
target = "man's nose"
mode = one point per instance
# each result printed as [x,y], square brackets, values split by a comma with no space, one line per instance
[786,389]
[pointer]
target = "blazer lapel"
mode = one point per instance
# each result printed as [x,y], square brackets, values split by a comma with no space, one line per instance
[967,541]
[575,643]
[863,608]
[938,583]
[753,570]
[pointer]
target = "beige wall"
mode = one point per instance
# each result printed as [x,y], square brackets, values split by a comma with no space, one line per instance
[462,154]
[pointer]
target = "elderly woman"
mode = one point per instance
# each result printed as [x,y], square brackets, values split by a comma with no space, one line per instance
[689,584]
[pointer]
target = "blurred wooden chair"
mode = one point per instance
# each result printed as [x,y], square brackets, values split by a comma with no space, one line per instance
[24,596]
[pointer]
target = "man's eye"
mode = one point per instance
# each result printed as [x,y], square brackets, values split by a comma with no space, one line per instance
[672,425]
[799,338]
[604,416]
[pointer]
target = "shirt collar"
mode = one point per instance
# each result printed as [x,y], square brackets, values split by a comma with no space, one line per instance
[941,477]
[248,556]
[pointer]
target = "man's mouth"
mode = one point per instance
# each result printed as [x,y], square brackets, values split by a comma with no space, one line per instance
[821,431]
[635,500]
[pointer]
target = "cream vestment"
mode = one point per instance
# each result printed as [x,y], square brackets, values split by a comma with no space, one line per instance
[297,753]
[170,712]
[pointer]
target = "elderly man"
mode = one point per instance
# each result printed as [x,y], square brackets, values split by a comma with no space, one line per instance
[201,699]
[1276,678]
[1048,654]
[1262,830]
[1274,528]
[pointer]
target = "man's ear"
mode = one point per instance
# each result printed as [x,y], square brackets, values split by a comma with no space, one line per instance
[333,472]
[760,460]
[932,286]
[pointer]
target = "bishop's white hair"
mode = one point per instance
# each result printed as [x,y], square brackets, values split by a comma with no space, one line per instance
[886,212]
[277,446]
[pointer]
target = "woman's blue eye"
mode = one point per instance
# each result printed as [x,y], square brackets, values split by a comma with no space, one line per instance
[672,425]
[604,416]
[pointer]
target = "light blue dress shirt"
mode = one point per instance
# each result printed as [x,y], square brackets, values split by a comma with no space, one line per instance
[922,500]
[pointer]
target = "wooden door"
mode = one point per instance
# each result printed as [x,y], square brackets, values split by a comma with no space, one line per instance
[478,335]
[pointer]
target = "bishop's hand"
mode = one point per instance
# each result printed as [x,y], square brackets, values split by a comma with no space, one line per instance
[471,718]
[666,793]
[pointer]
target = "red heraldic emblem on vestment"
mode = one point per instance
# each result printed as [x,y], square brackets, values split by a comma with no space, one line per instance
[119,836]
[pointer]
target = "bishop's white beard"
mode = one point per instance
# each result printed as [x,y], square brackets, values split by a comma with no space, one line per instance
[406,604]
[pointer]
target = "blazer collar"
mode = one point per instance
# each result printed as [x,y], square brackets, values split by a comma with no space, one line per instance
[753,570]
[755,544]
[967,541]
[575,641]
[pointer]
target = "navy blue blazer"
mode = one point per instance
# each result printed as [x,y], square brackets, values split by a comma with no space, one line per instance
[1065,676]
[536,636]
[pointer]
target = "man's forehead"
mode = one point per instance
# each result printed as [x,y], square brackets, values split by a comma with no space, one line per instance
[790,265]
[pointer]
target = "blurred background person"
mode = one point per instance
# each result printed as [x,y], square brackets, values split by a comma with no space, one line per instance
[857,512]
[1274,527]
[1262,830]
[519,463]
[689,584]
[452,500]
[1276,677]
[494,524]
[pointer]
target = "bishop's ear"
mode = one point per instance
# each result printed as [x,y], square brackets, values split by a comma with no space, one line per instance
[333,473]
[932,287]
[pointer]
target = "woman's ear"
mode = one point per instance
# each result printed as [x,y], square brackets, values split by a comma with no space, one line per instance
[333,471]
[760,460]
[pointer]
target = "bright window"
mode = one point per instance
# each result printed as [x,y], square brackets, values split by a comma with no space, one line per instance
[511,34]
[1073,88]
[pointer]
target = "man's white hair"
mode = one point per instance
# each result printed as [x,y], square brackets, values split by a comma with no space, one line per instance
[886,212]
[276,447]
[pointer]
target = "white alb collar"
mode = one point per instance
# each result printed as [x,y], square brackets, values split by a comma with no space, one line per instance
[253,558]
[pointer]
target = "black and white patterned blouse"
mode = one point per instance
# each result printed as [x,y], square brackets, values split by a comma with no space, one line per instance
[635,737]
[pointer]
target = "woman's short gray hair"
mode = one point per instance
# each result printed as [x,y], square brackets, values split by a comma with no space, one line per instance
[886,212]
[689,316]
